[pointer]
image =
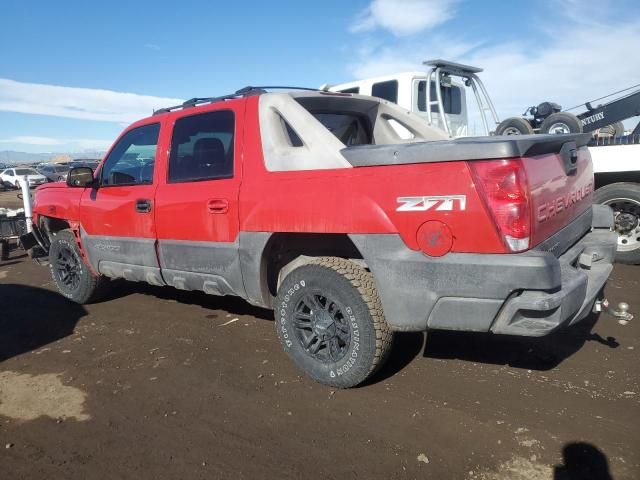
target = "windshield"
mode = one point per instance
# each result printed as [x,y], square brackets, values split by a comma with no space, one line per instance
[26,171]
[60,169]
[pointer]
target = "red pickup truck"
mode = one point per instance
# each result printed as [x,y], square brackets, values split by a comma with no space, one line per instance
[345,214]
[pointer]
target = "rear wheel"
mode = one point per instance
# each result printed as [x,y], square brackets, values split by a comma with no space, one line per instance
[330,322]
[514,126]
[70,273]
[561,122]
[624,199]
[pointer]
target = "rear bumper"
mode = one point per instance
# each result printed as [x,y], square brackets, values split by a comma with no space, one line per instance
[530,294]
[584,271]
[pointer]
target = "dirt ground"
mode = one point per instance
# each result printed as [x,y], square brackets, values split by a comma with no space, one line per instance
[156,383]
[9,198]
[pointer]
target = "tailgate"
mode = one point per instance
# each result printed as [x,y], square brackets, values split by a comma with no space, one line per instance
[561,188]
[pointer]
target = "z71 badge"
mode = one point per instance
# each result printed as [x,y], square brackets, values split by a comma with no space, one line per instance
[441,203]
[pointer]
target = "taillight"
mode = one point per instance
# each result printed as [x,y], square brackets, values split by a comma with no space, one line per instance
[503,185]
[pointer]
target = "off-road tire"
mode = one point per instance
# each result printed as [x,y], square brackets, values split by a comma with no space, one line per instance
[351,290]
[572,123]
[514,126]
[624,197]
[88,287]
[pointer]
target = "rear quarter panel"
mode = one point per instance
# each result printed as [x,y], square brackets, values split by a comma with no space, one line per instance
[359,200]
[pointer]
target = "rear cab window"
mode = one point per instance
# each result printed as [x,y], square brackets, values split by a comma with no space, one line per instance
[350,128]
[386,90]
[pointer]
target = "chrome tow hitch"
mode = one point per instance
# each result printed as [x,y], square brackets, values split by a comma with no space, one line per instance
[621,313]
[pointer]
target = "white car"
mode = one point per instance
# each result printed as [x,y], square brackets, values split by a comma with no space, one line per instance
[13,176]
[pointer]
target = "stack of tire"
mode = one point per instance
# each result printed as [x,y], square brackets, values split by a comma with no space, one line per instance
[559,122]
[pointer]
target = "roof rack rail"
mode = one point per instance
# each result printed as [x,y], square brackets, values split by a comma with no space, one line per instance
[263,89]
[243,92]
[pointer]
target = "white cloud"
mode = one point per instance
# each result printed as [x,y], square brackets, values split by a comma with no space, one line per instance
[68,143]
[572,60]
[31,140]
[81,103]
[404,17]
[408,56]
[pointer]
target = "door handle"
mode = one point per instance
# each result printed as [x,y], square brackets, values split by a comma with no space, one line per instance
[218,205]
[143,206]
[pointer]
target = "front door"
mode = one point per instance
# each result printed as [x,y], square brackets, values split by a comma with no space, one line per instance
[197,203]
[117,217]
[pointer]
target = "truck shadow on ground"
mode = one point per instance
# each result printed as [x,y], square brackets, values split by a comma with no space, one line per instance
[406,345]
[234,305]
[32,317]
[582,461]
[543,353]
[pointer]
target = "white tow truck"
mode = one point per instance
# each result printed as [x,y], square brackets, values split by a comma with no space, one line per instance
[615,153]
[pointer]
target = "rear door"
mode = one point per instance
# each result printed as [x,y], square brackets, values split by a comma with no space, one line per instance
[197,201]
[117,217]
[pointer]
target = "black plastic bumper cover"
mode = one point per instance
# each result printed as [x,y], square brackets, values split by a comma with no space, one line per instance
[530,294]
[585,269]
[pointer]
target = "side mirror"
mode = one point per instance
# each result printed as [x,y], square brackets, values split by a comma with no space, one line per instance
[80,177]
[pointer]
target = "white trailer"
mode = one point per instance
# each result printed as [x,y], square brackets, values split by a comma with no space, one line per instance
[617,177]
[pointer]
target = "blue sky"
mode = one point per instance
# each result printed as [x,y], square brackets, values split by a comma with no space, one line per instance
[568,51]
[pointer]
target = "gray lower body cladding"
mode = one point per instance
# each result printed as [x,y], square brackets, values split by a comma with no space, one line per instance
[531,293]
[133,259]
[213,267]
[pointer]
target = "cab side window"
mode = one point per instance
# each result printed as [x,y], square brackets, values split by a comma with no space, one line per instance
[387,90]
[451,98]
[132,160]
[202,147]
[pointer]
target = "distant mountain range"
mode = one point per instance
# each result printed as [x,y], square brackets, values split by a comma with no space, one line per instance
[11,157]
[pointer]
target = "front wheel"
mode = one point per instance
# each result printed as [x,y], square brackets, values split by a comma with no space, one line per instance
[70,273]
[624,199]
[330,322]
